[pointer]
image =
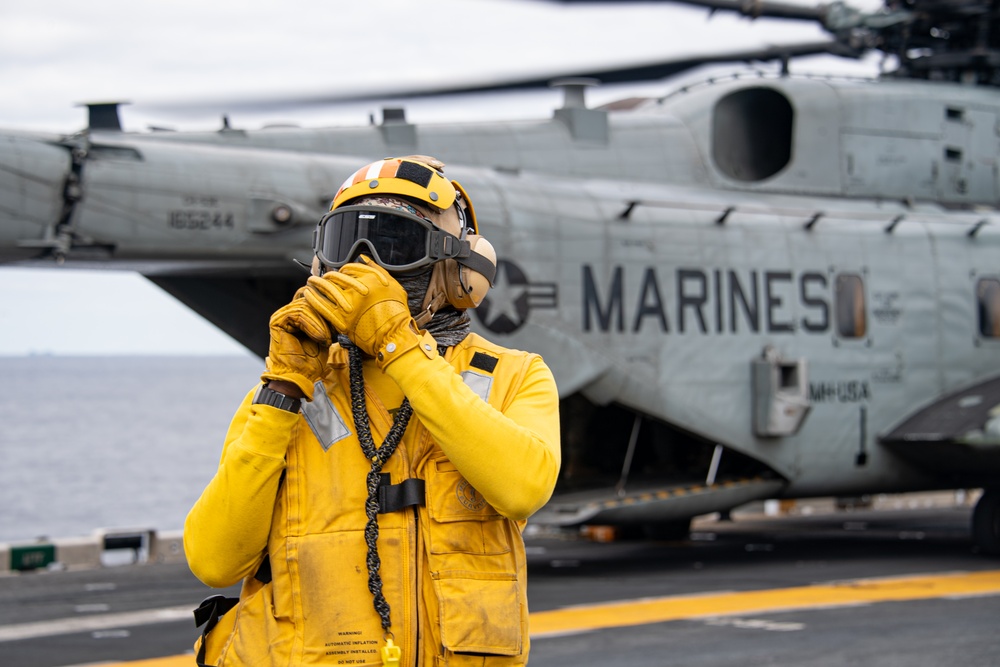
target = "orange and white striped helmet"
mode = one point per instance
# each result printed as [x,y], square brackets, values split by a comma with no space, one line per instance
[412,177]
[461,280]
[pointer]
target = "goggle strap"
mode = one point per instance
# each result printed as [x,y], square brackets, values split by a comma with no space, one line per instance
[445,246]
[479,264]
[463,254]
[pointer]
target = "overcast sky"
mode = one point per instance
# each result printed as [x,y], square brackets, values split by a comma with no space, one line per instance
[55,54]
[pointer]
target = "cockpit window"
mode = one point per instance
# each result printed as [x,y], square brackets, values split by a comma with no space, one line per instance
[850,303]
[988,294]
[752,133]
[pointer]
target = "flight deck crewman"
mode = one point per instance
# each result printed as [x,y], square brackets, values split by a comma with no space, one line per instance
[380,524]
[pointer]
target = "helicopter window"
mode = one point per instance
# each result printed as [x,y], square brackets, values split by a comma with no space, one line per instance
[954,114]
[988,292]
[752,134]
[850,298]
[953,154]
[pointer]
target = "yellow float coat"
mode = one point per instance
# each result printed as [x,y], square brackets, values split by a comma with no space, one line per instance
[453,570]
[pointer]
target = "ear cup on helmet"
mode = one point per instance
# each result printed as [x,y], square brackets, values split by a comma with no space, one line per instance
[457,285]
[465,287]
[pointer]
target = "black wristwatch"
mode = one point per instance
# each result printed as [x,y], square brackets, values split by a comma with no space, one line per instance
[267,396]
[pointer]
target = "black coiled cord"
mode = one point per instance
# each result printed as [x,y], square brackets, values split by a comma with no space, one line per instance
[378,457]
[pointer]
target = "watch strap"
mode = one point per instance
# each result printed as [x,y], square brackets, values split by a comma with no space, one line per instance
[267,396]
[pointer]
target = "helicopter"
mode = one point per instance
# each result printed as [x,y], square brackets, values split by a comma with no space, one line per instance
[752,287]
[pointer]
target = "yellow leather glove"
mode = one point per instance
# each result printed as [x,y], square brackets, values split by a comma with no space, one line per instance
[365,303]
[300,345]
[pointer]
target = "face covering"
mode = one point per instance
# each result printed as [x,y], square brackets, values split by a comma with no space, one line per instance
[448,326]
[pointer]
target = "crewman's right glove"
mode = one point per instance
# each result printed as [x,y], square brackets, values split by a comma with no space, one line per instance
[300,345]
[365,303]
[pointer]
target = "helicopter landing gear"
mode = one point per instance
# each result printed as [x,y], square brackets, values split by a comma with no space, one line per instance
[986,522]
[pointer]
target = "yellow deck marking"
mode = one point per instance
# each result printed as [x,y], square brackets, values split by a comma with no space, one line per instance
[170,661]
[659,610]
[848,593]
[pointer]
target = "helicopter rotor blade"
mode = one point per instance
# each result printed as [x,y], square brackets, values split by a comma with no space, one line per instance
[751,8]
[629,73]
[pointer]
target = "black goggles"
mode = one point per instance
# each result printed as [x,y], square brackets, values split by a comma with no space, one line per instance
[398,241]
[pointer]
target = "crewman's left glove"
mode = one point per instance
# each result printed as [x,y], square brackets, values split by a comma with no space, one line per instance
[362,301]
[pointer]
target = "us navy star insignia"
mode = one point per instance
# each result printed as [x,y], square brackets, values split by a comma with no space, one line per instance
[512,298]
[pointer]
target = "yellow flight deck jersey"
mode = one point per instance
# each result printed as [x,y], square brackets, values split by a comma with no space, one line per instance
[484,438]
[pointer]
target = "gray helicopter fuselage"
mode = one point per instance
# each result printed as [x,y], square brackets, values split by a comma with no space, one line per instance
[666,310]
[786,268]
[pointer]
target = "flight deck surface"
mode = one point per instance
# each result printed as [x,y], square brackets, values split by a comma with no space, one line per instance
[885,587]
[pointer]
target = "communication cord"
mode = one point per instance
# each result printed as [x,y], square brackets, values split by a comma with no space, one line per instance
[378,457]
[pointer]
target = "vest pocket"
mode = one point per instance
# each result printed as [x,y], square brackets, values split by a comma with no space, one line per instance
[462,520]
[480,612]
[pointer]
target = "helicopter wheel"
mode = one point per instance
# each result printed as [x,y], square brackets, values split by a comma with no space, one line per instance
[986,522]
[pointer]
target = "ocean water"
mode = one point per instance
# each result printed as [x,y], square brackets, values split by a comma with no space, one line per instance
[111,442]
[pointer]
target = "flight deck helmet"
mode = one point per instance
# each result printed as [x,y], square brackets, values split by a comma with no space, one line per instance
[406,216]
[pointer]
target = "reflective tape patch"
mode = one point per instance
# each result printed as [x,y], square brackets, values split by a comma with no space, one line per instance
[481,384]
[324,420]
